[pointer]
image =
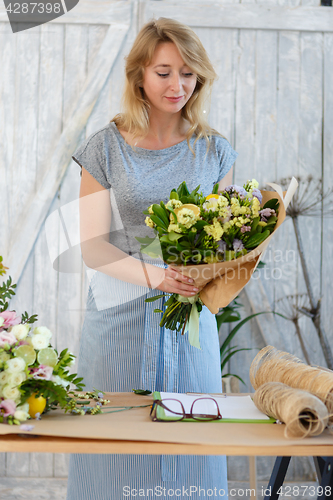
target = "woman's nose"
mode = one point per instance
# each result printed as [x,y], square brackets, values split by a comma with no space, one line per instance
[175,83]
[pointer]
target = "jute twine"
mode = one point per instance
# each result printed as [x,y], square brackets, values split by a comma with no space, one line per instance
[303,413]
[272,365]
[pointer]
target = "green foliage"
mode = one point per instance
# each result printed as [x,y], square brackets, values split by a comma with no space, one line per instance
[141,392]
[193,245]
[6,293]
[27,319]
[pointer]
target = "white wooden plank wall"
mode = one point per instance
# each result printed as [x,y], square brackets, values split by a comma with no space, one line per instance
[273,103]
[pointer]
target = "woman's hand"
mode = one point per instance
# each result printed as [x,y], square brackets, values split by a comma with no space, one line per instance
[171,281]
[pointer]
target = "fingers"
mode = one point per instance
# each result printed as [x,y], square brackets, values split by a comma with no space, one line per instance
[179,283]
[177,276]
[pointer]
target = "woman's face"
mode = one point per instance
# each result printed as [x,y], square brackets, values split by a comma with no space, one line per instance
[167,82]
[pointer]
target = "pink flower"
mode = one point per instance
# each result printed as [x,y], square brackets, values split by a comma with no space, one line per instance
[10,319]
[43,372]
[7,338]
[23,342]
[8,406]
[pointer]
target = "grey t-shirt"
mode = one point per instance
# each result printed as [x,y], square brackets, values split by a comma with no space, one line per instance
[137,178]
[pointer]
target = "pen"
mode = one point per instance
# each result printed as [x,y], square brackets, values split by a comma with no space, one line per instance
[216,394]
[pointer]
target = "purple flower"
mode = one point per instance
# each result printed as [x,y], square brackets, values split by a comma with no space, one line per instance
[245,229]
[265,213]
[26,427]
[235,190]
[237,245]
[100,395]
[222,246]
[256,192]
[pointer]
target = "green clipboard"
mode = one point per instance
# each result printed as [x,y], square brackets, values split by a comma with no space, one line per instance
[158,414]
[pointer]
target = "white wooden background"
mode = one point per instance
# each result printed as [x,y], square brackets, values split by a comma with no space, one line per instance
[273,101]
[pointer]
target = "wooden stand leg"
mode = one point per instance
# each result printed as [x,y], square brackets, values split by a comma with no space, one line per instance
[326,480]
[277,477]
[253,476]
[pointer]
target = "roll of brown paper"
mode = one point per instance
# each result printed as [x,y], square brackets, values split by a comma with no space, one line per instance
[272,365]
[303,413]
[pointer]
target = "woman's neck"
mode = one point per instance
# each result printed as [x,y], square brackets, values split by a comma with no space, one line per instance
[163,132]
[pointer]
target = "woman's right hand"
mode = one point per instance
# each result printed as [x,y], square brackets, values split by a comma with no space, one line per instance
[171,281]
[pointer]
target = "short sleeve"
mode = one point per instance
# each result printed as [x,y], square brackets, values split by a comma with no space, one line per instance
[227,158]
[91,155]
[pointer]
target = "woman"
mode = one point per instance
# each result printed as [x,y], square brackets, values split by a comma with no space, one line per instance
[159,141]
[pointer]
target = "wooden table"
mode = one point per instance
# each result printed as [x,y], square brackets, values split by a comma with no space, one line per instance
[133,432]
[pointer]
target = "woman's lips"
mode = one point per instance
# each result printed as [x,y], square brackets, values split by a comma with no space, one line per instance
[174,99]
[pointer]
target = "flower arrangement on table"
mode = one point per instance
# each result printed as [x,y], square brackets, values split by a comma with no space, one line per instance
[207,238]
[34,378]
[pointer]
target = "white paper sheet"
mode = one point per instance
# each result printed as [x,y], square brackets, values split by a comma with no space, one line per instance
[234,407]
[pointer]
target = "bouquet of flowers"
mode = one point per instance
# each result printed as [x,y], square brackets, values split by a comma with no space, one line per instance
[209,238]
[34,378]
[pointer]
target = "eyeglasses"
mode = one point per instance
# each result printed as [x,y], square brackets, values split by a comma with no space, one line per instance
[177,410]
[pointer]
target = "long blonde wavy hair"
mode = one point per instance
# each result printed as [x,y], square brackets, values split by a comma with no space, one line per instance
[135,118]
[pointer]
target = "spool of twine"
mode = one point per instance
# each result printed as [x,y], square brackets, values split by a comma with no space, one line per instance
[303,413]
[272,365]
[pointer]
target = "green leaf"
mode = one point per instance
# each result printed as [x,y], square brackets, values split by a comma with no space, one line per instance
[174,236]
[159,222]
[231,352]
[256,239]
[182,190]
[228,315]
[158,311]
[273,203]
[160,212]
[234,375]
[141,392]
[174,215]
[200,224]
[194,192]
[156,297]
[215,188]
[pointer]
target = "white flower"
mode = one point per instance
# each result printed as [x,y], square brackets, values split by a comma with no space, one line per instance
[21,415]
[39,341]
[11,393]
[187,217]
[175,228]
[59,381]
[15,365]
[149,222]
[72,363]
[4,376]
[253,184]
[20,331]
[4,356]
[42,330]
[16,379]
[173,204]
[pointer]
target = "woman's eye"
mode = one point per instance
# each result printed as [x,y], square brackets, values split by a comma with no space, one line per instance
[163,75]
[188,74]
